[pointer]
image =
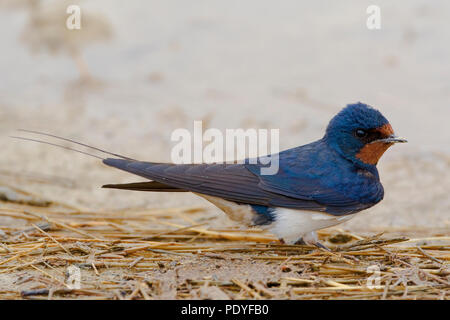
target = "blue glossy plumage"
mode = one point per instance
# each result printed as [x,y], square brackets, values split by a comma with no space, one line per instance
[324,176]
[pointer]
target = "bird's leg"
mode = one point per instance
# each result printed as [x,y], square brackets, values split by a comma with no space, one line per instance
[311,239]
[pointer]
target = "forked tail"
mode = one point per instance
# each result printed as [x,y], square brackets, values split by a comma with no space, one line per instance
[68,148]
[139,186]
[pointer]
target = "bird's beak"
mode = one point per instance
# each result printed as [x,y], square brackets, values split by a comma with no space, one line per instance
[392,139]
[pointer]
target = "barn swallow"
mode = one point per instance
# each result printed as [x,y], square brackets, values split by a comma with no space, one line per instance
[318,185]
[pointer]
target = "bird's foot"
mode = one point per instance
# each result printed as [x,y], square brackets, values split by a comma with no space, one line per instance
[322,246]
[301,242]
[311,239]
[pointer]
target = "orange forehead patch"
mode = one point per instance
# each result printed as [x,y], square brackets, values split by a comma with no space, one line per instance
[372,152]
[386,130]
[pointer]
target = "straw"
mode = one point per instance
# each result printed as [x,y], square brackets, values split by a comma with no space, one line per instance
[173,253]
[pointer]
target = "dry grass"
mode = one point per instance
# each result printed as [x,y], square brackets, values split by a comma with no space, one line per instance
[173,254]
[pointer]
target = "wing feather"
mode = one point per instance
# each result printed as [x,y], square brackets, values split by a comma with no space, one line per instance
[297,185]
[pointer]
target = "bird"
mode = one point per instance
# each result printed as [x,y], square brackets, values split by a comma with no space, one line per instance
[317,185]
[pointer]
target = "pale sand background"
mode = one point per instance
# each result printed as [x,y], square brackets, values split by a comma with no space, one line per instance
[235,64]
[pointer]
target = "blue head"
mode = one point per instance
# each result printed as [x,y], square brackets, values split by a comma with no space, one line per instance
[360,134]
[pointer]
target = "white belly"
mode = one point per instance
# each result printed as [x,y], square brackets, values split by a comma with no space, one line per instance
[291,224]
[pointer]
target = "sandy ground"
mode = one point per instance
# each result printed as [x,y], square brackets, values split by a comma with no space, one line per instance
[231,64]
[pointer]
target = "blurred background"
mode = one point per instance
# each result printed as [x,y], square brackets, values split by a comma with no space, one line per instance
[137,70]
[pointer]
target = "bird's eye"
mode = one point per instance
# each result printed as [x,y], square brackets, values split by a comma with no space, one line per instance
[360,133]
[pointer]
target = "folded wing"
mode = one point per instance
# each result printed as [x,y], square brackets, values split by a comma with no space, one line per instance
[233,182]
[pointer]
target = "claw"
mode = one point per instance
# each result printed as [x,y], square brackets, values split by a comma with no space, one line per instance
[311,239]
[321,246]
